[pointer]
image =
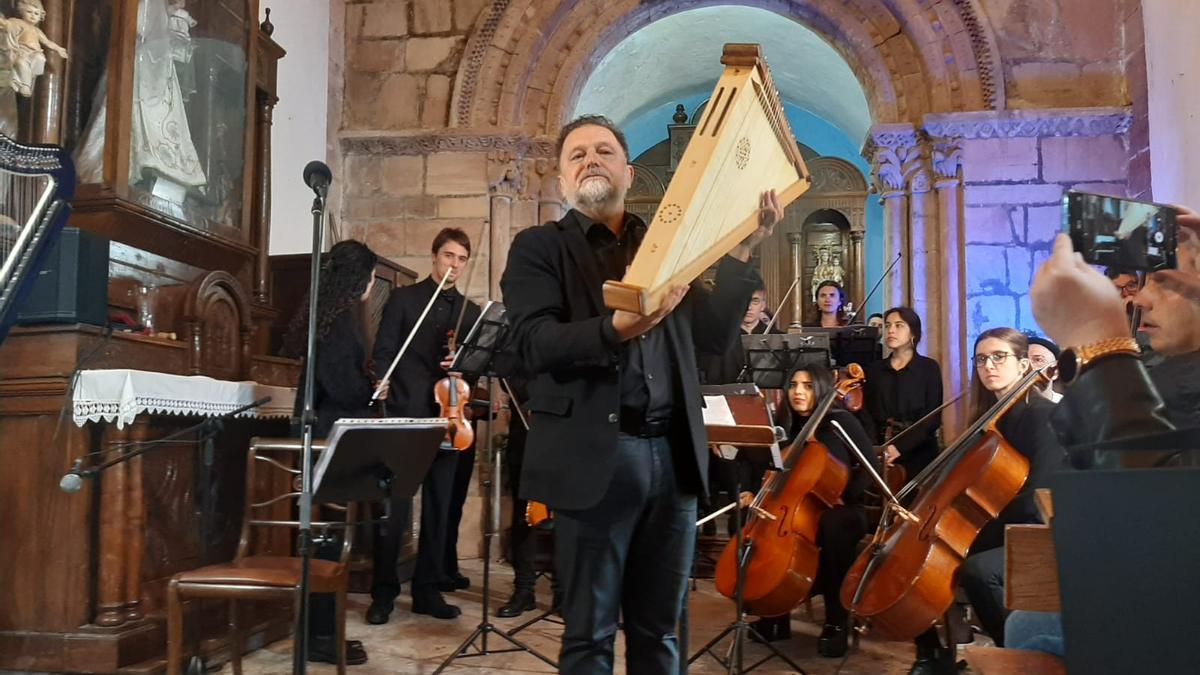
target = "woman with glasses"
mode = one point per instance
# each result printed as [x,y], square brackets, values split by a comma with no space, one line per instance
[1001,360]
[900,390]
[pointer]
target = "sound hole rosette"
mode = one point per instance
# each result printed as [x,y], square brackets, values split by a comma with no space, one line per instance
[669,213]
[742,154]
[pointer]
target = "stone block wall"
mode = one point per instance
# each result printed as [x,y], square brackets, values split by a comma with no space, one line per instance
[1016,168]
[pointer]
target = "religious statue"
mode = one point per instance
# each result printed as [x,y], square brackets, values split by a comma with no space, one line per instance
[163,156]
[25,45]
[181,24]
[826,270]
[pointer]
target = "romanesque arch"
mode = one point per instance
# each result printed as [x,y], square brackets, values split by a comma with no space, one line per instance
[527,60]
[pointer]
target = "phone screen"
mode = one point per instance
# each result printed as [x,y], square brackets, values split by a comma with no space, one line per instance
[1122,233]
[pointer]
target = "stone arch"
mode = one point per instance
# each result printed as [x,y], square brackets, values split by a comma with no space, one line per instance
[527,60]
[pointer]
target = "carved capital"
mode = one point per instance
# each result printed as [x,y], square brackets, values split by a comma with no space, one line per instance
[892,168]
[504,174]
[947,160]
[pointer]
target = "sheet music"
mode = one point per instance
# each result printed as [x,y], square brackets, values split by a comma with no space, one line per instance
[717,412]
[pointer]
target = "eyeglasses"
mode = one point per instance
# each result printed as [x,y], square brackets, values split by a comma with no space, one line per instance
[1130,289]
[995,357]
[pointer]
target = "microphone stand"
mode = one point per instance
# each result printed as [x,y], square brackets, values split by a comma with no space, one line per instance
[307,421]
[206,429]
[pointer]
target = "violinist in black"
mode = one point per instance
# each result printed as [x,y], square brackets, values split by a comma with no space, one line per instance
[342,387]
[902,389]
[424,363]
[1001,360]
[841,527]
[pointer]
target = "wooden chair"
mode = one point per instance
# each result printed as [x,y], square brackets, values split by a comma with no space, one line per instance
[265,577]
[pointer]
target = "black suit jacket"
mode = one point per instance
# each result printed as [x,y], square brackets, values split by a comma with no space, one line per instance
[420,368]
[553,290]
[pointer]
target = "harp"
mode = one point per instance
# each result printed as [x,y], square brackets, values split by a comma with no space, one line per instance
[36,186]
[742,146]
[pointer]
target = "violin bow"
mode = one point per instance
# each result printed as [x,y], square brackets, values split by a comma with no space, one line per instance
[859,308]
[462,312]
[387,377]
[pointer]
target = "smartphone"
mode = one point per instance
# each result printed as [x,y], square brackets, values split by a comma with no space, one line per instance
[1122,233]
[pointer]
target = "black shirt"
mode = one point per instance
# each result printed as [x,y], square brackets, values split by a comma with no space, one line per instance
[647,370]
[905,396]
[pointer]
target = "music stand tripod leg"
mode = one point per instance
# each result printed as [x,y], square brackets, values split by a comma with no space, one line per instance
[485,625]
[734,661]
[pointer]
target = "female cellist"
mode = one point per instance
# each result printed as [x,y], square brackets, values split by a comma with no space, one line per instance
[842,526]
[901,390]
[1001,360]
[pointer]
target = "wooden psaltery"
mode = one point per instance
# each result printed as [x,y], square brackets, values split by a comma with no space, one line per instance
[742,147]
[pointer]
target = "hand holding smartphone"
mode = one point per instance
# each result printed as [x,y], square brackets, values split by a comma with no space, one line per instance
[1123,233]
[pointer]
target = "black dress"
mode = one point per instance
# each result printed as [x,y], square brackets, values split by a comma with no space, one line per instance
[905,396]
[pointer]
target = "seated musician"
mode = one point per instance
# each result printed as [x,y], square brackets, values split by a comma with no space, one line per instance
[1001,360]
[902,389]
[729,367]
[841,527]
[830,304]
[342,388]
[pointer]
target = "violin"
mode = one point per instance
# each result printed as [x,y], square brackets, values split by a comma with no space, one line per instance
[904,581]
[784,517]
[453,395]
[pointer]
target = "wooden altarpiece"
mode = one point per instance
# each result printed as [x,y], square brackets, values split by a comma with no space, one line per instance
[168,117]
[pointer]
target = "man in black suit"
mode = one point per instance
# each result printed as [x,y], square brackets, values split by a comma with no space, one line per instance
[618,448]
[423,364]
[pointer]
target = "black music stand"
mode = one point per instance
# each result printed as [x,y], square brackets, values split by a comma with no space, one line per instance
[483,354]
[771,357]
[360,453]
[758,456]
[849,344]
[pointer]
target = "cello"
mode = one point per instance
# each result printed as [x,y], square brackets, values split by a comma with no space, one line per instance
[904,580]
[784,516]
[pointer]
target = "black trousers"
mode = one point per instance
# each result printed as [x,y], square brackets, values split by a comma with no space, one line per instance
[838,534]
[436,491]
[463,470]
[630,554]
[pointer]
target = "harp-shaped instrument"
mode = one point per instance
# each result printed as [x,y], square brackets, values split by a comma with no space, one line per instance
[741,147]
[36,186]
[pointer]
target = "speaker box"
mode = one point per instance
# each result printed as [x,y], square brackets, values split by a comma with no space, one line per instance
[73,285]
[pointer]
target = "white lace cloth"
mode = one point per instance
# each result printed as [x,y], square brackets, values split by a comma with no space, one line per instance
[122,395]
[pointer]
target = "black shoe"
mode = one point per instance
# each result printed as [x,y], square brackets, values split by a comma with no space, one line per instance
[522,601]
[833,642]
[434,605]
[772,629]
[379,612]
[938,663]
[456,582]
[324,650]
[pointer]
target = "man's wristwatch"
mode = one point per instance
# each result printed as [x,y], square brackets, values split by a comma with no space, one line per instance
[1074,360]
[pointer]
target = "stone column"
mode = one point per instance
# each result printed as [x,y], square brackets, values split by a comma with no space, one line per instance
[895,156]
[924,266]
[550,203]
[796,243]
[947,162]
[504,183]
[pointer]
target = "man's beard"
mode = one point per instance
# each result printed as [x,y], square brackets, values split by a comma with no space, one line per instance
[596,195]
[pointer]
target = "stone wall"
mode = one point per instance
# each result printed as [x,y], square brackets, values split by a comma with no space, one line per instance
[1016,167]
[1061,53]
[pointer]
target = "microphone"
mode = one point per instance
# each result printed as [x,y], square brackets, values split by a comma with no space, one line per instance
[72,481]
[318,177]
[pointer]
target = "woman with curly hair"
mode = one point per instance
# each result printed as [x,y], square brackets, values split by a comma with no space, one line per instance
[342,387]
